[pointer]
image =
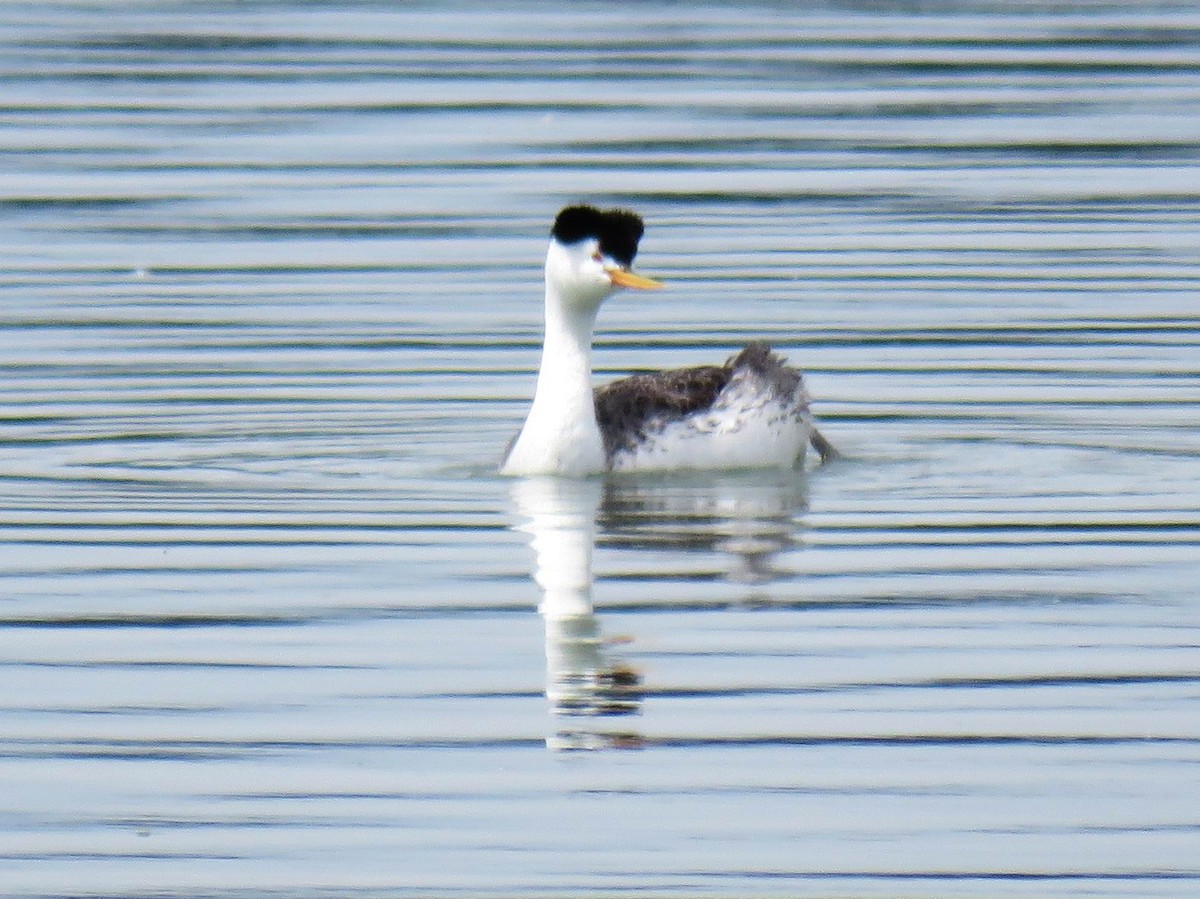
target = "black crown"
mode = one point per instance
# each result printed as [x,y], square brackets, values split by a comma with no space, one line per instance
[617,230]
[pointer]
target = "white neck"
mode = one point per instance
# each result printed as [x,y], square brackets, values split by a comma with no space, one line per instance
[565,373]
[560,435]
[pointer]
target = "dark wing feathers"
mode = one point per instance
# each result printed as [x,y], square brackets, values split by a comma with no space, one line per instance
[626,408]
[758,357]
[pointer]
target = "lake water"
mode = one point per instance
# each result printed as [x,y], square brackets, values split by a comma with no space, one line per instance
[270,624]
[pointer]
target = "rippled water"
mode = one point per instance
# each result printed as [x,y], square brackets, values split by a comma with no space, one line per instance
[269,622]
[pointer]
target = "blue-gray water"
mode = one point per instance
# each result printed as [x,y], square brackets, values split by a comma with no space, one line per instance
[270,284]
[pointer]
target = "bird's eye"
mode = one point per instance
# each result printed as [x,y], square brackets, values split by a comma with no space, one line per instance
[597,256]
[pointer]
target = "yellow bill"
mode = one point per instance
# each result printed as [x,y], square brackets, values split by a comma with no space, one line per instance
[623,278]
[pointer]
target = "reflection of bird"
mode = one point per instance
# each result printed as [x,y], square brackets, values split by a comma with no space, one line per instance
[747,519]
[751,412]
[583,682]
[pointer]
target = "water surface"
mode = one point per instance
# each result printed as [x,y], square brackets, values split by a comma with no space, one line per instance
[269,622]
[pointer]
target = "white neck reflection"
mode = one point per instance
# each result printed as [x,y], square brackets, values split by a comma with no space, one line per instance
[582,684]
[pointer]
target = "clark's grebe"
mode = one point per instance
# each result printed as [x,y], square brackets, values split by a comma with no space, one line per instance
[751,412]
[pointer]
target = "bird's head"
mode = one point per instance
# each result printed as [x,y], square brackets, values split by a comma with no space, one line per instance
[591,254]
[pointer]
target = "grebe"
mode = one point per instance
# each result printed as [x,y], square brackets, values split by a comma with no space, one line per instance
[751,412]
